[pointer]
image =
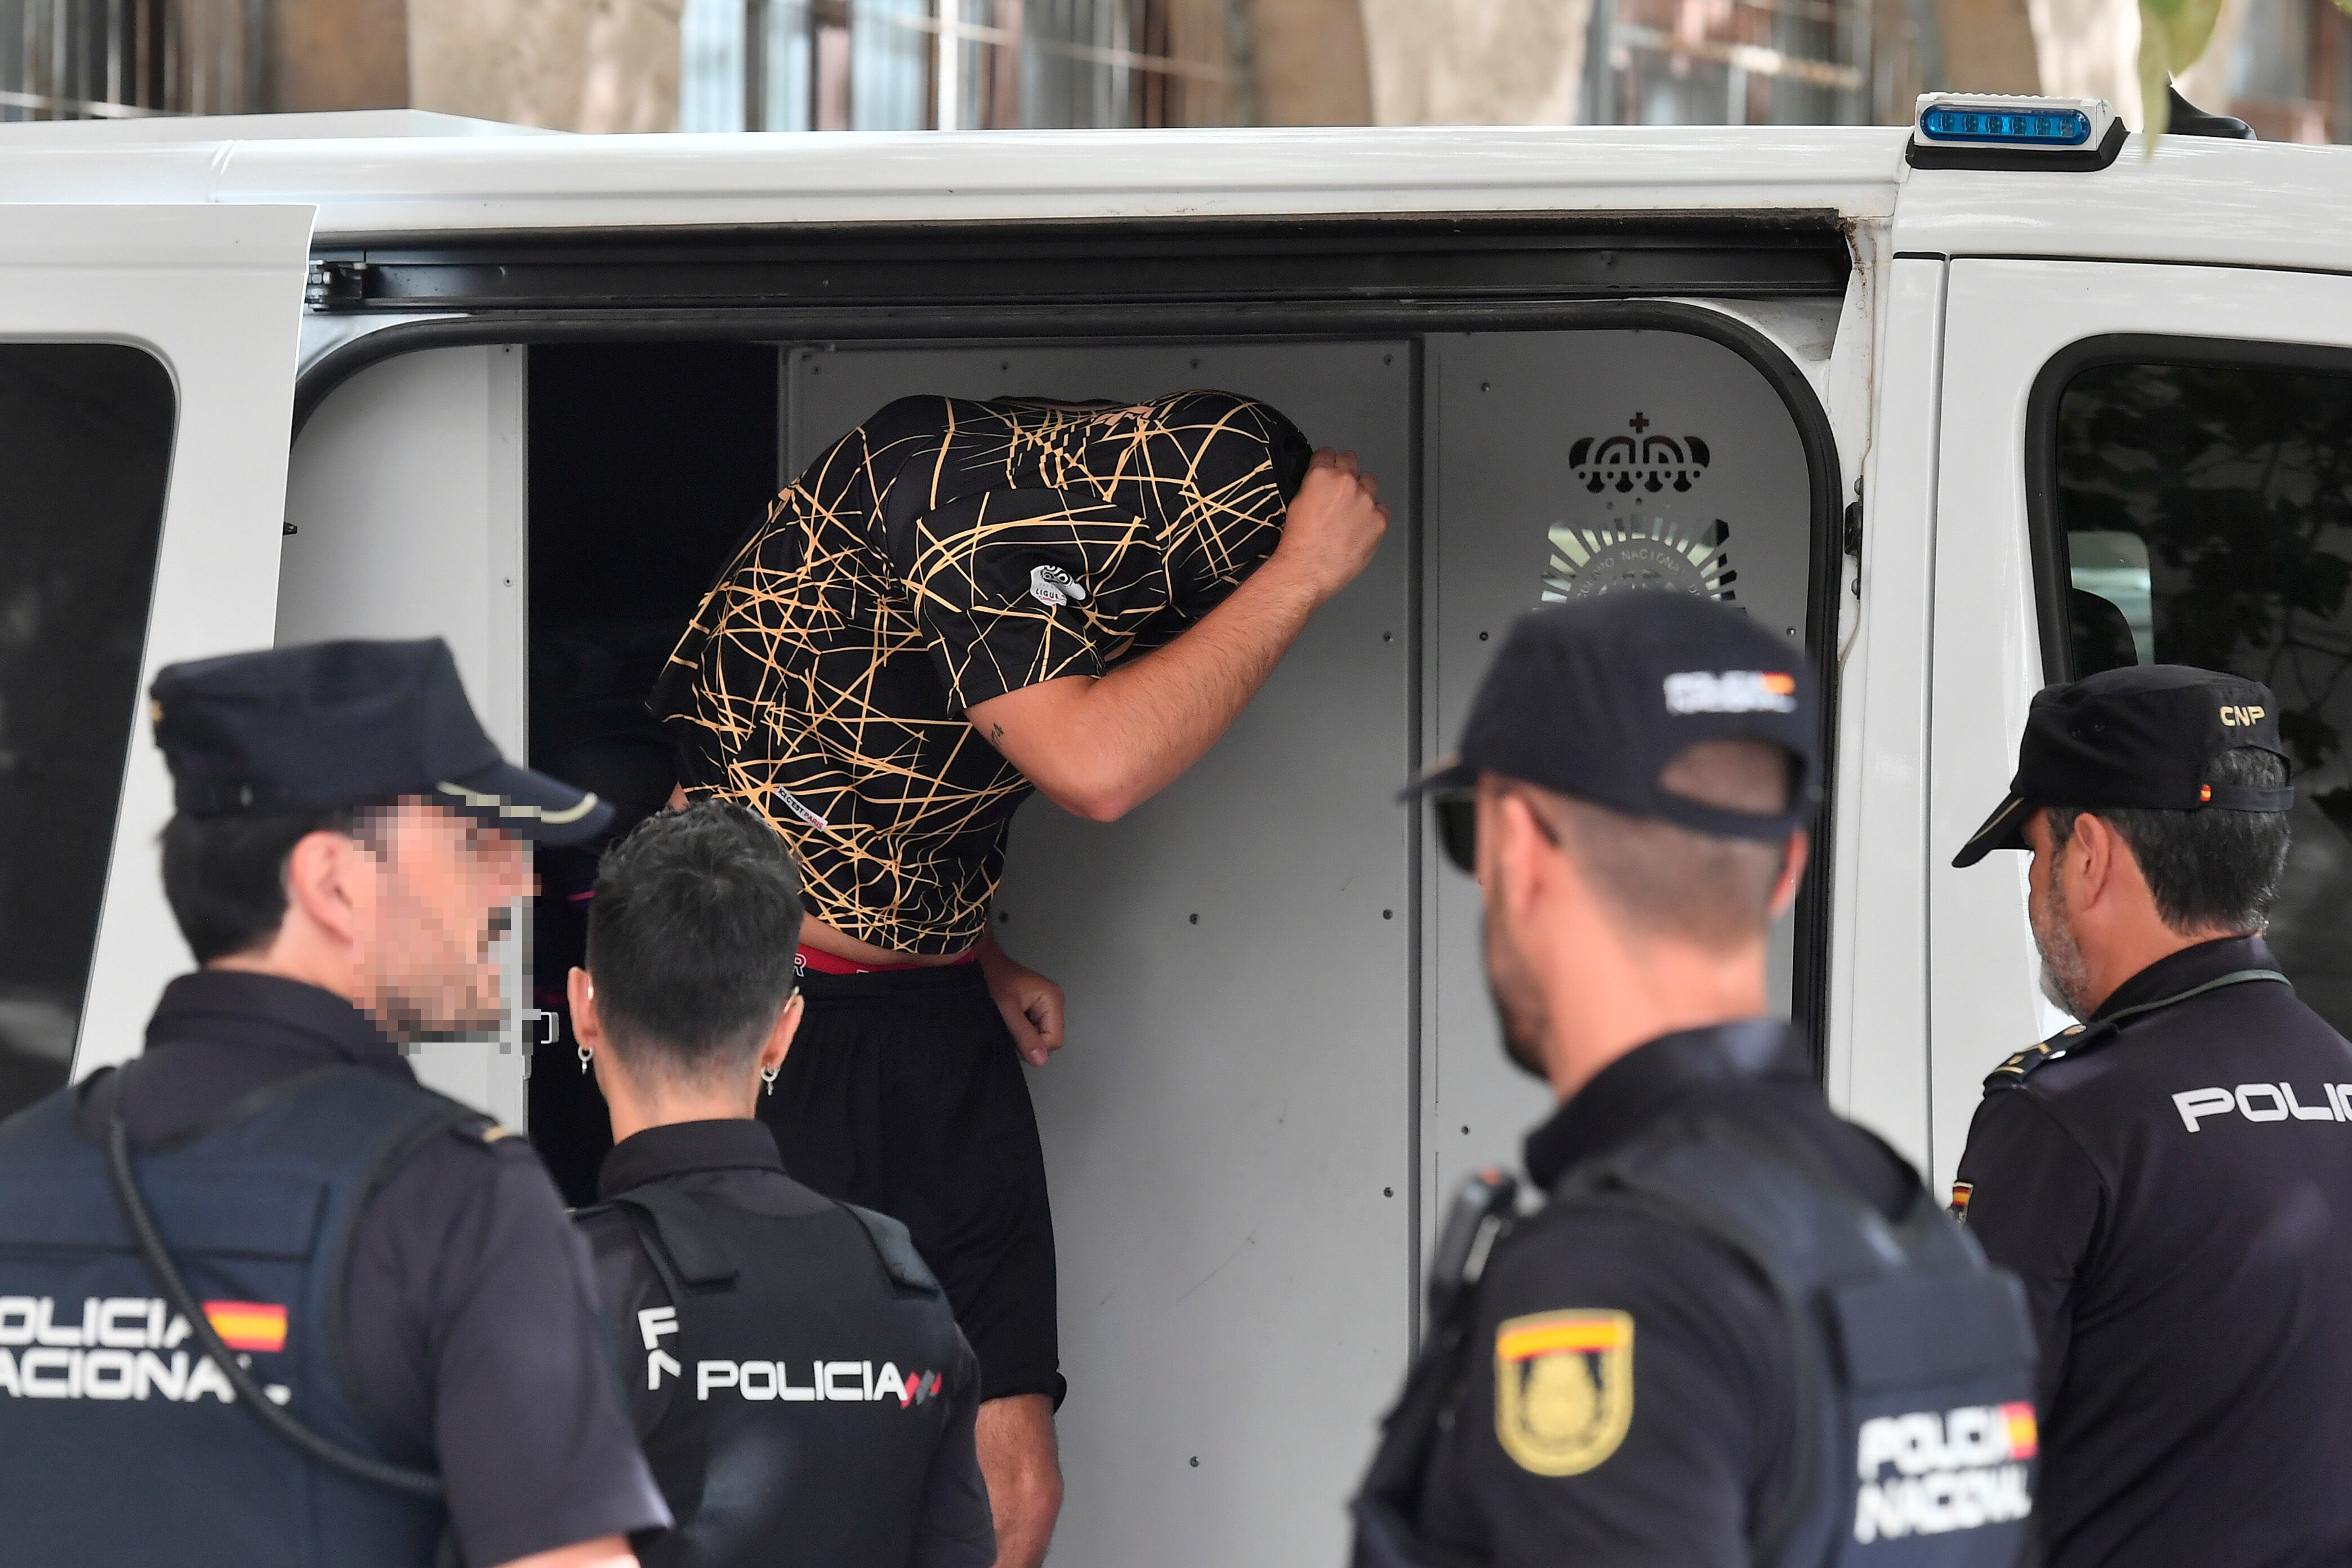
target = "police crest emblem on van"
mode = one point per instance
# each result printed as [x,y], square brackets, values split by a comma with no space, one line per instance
[1636,535]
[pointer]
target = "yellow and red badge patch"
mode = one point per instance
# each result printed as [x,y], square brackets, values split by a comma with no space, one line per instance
[248,1325]
[1961,1192]
[2024,1435]
[1563,1389]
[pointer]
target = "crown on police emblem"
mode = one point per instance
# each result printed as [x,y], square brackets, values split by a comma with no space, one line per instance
[1651,463]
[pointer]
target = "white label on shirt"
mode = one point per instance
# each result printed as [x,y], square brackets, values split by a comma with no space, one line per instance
[1052,585]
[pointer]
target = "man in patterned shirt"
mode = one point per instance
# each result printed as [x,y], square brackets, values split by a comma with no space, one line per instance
[958,603]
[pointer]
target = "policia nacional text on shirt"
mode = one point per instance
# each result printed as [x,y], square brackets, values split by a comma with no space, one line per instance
[265,1219]
[2171,1177]
[1739,1332]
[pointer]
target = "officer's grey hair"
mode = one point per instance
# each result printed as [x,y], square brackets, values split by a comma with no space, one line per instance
[2210,870]
[1670,880]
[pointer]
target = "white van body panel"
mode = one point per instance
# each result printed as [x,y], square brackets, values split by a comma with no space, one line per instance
[422,184]
[1876,1067]
[216,294]
[2005,321]
[2243,204]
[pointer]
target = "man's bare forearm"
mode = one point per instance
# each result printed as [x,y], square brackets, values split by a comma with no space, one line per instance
[1100,747]
[1161,713]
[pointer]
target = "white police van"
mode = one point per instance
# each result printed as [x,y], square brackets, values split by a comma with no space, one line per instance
[1958,415]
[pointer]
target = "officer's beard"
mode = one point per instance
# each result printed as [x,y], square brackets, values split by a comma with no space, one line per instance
[2065,977]
[1518,1000]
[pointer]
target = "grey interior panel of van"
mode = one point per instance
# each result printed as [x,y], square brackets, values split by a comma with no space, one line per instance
[1231,1132]
[1520,427]
[1226,1131]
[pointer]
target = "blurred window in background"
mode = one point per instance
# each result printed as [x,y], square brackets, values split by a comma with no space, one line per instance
[966,65]
[85,449]
[2204,514]
[73,59]
[1753,62]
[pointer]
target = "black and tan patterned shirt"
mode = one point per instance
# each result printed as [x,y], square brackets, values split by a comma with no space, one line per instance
[942,553]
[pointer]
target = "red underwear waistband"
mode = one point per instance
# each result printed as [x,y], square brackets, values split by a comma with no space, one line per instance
[811,962]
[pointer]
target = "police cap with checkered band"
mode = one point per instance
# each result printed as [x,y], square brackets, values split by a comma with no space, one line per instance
[2140,738]
[1596,697]
[332,724]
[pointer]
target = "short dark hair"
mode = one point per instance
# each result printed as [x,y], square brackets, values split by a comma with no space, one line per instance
[2210,870]
[691,938]
[1702,887]
[225,877]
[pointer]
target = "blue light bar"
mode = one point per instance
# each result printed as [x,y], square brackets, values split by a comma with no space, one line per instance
[2007,128]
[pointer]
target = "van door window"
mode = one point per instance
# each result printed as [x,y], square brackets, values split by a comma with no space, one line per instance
[85,452]
[2203,516]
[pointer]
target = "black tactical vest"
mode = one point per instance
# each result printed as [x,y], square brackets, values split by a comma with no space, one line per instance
[807,1359]
[1915,1360]
[122,1444]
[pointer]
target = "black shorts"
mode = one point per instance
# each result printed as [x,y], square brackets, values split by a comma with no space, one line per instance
[903,1093]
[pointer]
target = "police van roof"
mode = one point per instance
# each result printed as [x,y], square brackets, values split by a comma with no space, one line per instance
[374,176]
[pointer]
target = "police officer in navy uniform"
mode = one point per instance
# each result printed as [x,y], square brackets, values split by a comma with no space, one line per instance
[264,1300]
[794,1368]
[1740,1330]
[2171,1176]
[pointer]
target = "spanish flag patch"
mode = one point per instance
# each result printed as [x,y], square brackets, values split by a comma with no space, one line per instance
[248,1325]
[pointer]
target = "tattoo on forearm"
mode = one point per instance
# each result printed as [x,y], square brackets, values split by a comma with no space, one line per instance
[995,734]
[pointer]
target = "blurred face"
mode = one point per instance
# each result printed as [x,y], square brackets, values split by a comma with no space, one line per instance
[443,899]
[1511,973]
[2065,976]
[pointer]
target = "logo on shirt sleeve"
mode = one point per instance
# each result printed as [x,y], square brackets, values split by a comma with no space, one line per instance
[1962,1193]
[1563,1389]
[1052,585]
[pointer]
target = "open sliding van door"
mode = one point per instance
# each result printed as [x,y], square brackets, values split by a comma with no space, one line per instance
[146,386]
[2140,464]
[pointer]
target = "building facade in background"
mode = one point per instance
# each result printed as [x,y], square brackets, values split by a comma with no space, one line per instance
[797,65]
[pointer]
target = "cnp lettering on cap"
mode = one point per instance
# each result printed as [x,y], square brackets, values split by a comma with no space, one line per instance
[1733,691]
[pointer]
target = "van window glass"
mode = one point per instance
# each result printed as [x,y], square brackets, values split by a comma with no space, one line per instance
[85,451]
[2204,517]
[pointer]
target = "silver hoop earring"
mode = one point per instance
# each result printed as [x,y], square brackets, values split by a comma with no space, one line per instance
[768,1077]
[586,1053]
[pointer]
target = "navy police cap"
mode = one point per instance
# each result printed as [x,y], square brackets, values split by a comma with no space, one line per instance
[2140,738]
[1594,699]
[347,723]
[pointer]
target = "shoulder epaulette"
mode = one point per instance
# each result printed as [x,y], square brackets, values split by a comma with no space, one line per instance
[2013,1072]
[2075,1038]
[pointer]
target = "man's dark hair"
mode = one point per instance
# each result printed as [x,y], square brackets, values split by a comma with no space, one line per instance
[1667,878]
[2210,870]
[225,877]
[691,939]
